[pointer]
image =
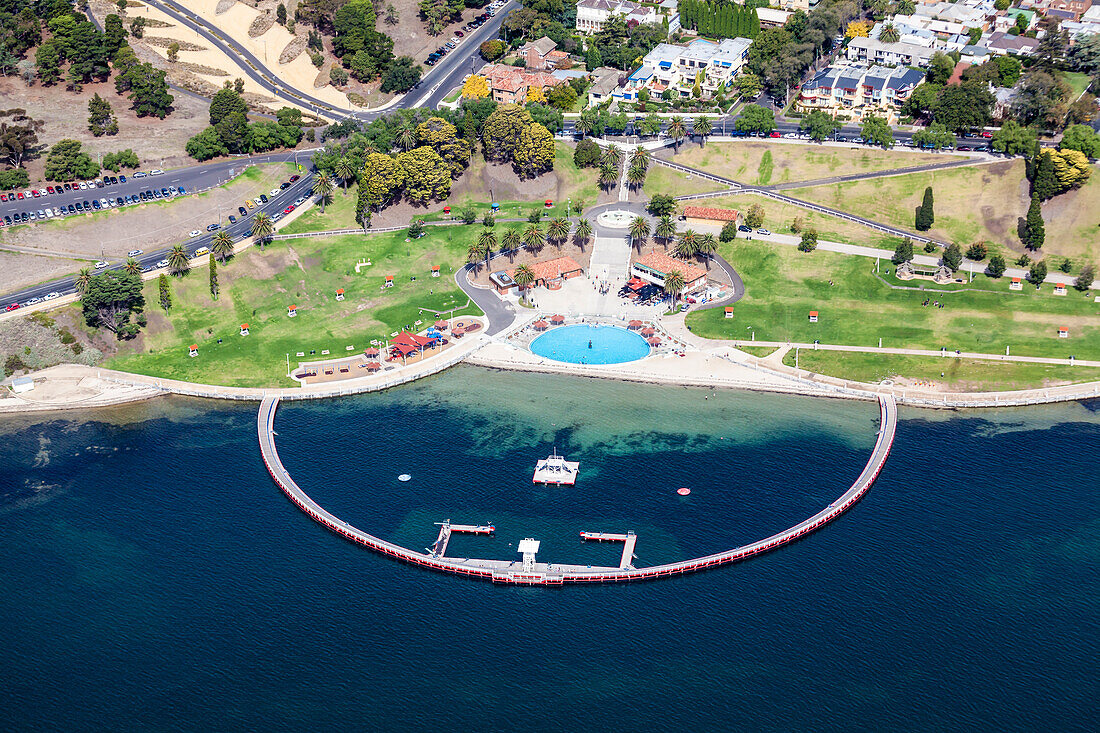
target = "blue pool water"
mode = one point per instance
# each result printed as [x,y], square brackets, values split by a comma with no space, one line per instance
[609,345]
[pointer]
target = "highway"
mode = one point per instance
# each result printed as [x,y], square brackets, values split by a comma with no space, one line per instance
[242,228]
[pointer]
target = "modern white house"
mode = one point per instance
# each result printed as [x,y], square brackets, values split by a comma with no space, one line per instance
[860,89]
[676,68]
[592,14]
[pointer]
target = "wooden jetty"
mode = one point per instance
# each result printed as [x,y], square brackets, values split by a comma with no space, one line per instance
[629,540]
[439,547]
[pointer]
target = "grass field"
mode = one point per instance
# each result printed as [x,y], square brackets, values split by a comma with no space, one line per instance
[783,285]
[758,351]
[1073,223]
[1078,81]
[745,161]
[778,217]
[257,287]
[973,203]
[664,180]
[959,375]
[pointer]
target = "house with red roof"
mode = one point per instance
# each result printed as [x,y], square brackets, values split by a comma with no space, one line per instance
[708,215]
[654,267]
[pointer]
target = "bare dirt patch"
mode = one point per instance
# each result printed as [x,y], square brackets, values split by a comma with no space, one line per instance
[18,270]
[158,143]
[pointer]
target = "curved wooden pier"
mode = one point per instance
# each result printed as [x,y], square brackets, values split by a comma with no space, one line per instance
[502,571]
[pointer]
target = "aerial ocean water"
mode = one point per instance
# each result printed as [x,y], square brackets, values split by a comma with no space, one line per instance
[152,577]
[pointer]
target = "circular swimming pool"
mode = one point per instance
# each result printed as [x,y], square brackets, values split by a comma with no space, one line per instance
[585,344]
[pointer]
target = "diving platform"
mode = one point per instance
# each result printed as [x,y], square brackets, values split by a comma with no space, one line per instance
[555,470]
[629,540]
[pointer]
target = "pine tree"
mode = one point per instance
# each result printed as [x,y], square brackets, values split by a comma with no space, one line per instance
[165,293]
[903,252]
[925,214]
[754,24]
[1035,229]
[1045,183]
[213,277]
[101,120]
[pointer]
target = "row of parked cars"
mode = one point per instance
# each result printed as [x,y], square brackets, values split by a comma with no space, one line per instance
[477,22]
[161,193]
[73,186]
[83,207]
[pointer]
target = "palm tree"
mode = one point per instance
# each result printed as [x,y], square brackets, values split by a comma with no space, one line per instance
[323,188]
[406,137]
[532,237]
[511,241]
[641,157]
[702,127]
[524,277]
[676,129]
[608,175]
[666,230]
[222,245]
[178,262]
[487,241]
[586,123]
[635,175]
[612,155]
[262,227]
[707,246]
[474,253]
[651,125]
[558,231]
[674,283]
[344,170]
[583,232]
[82,279]
[889,33]
[688,244]
[132,266]
[639,232]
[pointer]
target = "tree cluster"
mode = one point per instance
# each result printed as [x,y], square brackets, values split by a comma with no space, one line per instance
[511,135]
[781,56]
[230,132]
[718,19]
[110,300]
[66,161]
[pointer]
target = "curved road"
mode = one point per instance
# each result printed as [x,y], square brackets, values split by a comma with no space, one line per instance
[502,571]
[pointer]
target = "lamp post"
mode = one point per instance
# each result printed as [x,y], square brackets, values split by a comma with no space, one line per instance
[753,334]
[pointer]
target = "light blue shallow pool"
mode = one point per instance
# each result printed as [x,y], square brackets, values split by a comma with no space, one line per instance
[585,344]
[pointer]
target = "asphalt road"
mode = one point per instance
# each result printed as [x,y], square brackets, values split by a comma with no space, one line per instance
[148,260]
[436,83]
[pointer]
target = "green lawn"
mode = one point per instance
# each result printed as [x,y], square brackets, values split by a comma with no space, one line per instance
[1078,81]
[759,351]
[970,204]
[783,285]
[258,286]
[660,179]
[745,160]
[957,374]
[779,216]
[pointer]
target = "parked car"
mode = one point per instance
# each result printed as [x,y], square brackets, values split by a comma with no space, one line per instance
[52,296]
[135,252]
[743,228]
[294,178]
[213,227]
[242,211]
[140,174]
[194,233]
[288,209]
[201,251]
[232,219]
[101,264]
[162,263]
[157,172]
[765,232]
[12,307]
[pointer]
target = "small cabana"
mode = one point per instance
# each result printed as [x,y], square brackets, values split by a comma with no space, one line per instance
[291,311]
[339,293]
[540,325]
[389,281]
[458,332]
[244,329]
[634,325]
[557,319]
[371,353]
[435,270]
[193,350]
[373,366]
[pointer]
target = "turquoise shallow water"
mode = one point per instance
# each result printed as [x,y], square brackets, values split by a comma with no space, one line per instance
[582,343]
[155,579]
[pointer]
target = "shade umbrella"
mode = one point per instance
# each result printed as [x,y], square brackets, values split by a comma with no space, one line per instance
[654,341]
[440,325]
[557,318]
[541,325]
[648,331]
[373,366]
[634,325]
[371,352]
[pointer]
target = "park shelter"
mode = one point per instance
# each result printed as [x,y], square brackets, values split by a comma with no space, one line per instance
[1063,332]
[557,319]
[813,316]
[339,293]
[371,353]
[729,311]
[710,216]
[291,310]
[373,366]
[1060,289]
[435,270]
[540,325]
[193,350]
[244,329]
[551,273]
[440,324]
[1015,284]
[634,325]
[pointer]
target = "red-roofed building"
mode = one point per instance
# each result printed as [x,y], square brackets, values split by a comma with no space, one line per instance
[653,267]
[697,215]
[552,273]
[507,84]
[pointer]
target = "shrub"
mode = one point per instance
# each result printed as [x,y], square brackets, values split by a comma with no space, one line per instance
[977,251]
[809,240]
[587,154]
[729,232]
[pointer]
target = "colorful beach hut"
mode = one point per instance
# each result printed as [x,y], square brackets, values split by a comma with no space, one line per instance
[291,311]
[244,329]
[339,293]
[193,350]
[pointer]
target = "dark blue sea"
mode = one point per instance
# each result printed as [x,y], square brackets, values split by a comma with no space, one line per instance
[152,577]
